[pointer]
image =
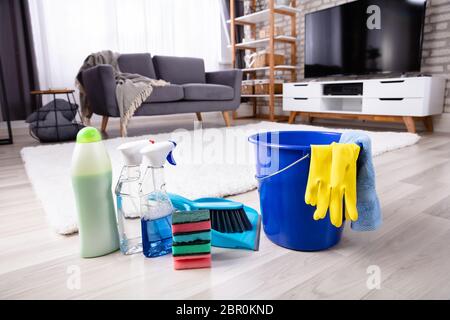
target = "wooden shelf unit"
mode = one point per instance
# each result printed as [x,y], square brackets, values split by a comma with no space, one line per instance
[277,68]
[261,95]
[263,43]
[253,20]
[263,15]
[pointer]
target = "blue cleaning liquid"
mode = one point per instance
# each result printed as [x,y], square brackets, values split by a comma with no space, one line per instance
[157,236]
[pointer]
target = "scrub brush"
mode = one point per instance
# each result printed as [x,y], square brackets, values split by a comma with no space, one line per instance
[226,216]
[234,225]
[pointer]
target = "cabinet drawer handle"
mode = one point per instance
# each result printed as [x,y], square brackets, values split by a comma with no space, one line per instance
[392,99]
[392,81]
[301,98]
[301,85]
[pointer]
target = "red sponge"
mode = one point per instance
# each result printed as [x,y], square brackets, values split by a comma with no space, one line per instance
[191,227]
[192,262]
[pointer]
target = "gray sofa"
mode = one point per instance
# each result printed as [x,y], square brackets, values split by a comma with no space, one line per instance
[191,89]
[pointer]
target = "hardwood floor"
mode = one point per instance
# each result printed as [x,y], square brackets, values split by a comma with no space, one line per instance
[411,249]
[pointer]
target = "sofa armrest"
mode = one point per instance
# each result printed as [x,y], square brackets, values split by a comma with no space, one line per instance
[100,87]
[232,78]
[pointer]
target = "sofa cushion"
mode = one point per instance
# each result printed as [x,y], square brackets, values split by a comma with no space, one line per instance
[140,63]
[167,93]
[202,91]
[180,70]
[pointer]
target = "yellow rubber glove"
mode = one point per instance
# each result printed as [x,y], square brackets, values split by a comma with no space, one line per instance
[318,187]
[343,182]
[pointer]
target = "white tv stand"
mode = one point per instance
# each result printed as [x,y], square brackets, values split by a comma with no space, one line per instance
[391,100]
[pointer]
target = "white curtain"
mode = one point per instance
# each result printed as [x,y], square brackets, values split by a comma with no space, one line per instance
[65,32]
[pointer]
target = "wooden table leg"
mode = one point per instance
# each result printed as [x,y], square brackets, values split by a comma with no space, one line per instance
[104,123]
[292,117]
[86,121]
[199,116]
[306,117]
[226,118]
[410,124]
[428,122]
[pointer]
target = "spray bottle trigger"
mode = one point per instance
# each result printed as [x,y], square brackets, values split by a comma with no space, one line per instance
[170,159]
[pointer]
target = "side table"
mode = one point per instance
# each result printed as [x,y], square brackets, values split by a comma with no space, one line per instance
[69,94]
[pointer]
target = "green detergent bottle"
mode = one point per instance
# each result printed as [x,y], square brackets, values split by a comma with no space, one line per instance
[91,180]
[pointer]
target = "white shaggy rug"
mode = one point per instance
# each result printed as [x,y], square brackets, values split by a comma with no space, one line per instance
[210,162]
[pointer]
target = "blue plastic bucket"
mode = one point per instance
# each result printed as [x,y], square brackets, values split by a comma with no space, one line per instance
[282,168]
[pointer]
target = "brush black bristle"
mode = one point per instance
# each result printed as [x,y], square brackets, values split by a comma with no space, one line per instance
[245,220]
[235,223]
[230,221]
[228,225]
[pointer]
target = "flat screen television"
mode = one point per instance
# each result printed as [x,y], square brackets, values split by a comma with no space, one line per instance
[365,37]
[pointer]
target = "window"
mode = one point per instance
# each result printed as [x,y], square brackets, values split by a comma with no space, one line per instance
[65,32]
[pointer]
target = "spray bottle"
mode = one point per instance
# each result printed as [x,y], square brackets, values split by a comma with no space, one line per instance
[156,208]
[127,197]
[91,180]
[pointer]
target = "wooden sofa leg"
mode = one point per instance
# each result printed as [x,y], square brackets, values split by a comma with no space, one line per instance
[104,123]
[199,116]
[122,130]
[226,118]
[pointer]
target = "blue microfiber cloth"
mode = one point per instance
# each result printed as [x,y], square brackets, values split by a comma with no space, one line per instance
[369,211]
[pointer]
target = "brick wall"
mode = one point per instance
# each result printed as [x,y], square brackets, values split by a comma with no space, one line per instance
[436,45]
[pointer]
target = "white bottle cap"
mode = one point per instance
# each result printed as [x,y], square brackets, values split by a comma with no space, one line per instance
[157,154]
[130,152]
